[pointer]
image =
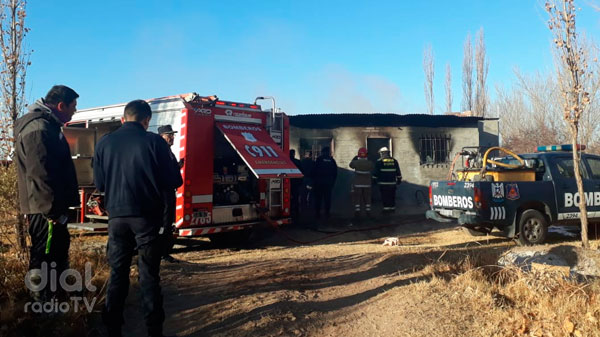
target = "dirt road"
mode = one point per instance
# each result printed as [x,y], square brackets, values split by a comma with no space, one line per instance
[345,285]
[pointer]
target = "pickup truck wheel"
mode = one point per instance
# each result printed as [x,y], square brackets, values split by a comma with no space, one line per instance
[533,228]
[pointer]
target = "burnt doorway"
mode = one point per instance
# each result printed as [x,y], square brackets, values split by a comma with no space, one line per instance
[373,146]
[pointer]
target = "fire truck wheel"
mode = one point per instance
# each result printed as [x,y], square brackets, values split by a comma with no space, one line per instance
[230,239]
[533,228]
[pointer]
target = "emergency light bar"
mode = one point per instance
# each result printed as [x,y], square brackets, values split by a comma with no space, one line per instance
[238,105]
[563,147]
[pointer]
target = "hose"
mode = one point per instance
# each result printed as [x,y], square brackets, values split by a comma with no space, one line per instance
[497,163]
[451,172]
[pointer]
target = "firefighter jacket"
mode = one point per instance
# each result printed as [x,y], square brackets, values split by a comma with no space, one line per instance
[387,171]
[46,174]
[325,171]
[362,172]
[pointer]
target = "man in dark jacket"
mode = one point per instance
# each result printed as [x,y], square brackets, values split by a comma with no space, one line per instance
[168,134]
[295,187]
[47,181]
[324,174]
[129,168]
[306,194]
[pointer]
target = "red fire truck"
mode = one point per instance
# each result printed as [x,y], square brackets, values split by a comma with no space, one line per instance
[236,168]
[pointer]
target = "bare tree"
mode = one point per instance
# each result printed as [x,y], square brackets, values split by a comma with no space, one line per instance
[467,75]
[572,70]
[481,69]
[428,63]
[529,114]
[13,68]
[448,88]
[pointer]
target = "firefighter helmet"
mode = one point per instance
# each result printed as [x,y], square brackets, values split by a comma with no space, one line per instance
[362,152]
[384,149]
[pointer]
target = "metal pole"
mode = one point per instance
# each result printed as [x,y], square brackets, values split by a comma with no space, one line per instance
[273,109]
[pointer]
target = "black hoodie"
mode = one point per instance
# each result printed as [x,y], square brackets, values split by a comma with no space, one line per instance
[46,174]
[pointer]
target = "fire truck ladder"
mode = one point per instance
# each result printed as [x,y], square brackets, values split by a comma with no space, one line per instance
[276,185]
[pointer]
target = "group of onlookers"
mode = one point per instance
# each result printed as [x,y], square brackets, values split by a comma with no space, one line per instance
[138,174]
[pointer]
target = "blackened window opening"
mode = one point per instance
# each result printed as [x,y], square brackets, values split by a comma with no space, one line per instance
[435,149]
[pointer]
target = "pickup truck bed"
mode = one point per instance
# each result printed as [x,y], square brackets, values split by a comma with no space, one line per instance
[520,209]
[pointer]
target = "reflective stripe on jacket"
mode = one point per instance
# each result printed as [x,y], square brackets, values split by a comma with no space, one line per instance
[387,171]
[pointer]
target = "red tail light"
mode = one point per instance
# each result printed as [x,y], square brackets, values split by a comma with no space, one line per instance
[477,198]
[430,196]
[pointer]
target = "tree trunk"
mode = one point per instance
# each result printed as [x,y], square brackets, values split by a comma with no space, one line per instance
[20,230]
[582,197]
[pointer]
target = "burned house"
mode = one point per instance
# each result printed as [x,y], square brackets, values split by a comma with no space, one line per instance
[424,146]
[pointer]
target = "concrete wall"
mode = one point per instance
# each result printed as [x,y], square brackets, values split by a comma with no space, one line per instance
[412,194]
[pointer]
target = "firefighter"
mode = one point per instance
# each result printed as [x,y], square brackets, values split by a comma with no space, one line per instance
[129,169]
[167,133]
[47,184]
[295,186]
[361,182]
[388,175]
[324,174]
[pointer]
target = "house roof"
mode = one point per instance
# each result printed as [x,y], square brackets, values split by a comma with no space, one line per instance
[336,120]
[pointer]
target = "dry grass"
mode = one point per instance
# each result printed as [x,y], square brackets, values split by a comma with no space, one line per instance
[477,299]
[13,295]
[13,267]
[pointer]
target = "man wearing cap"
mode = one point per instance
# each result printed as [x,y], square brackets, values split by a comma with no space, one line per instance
[361,182]
[167,133]
[388,175]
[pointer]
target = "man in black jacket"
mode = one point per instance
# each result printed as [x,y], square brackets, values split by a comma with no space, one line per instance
[306,194]
[129,168]
[324,174]
[295,186]
[168,134]
[47,181]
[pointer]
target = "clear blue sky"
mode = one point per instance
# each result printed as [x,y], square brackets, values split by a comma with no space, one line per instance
[312,56]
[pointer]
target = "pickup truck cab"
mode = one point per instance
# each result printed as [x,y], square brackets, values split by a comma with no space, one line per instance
[521,209]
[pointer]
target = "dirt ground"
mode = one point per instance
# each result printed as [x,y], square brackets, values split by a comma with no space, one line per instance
[345,284]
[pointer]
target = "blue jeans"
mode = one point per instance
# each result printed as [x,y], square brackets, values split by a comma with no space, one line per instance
[124,236]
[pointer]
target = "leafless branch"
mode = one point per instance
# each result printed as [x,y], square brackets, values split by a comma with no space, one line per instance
[481,68]
[573,71]
[428,64]
[467,75]
[448,88]
[13,69]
